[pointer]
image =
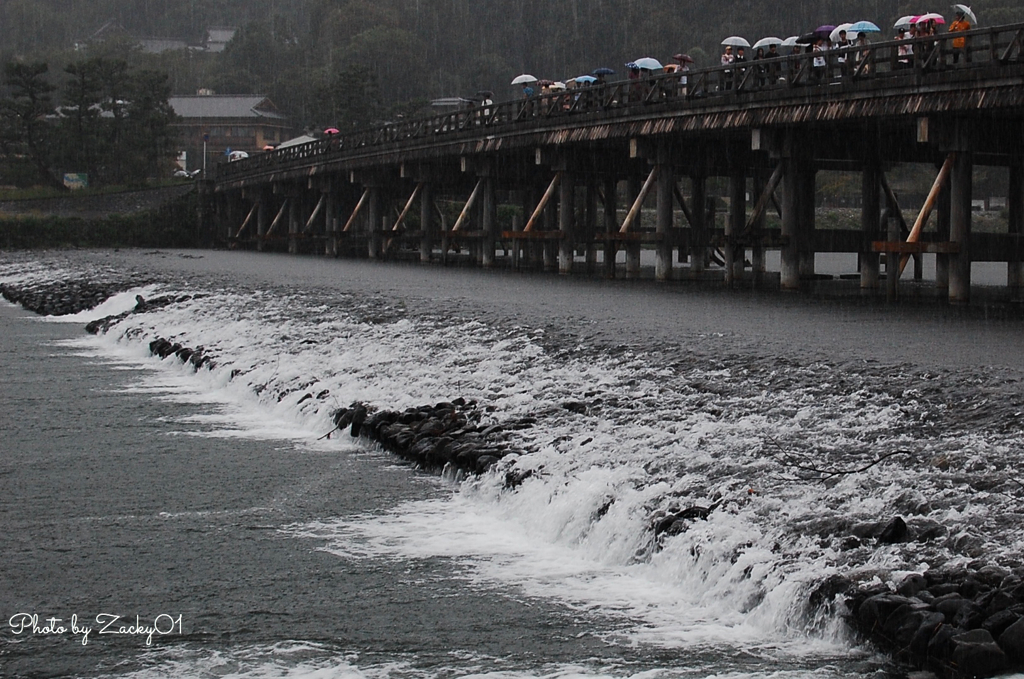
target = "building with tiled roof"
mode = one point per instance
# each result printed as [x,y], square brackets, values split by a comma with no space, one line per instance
[232,122]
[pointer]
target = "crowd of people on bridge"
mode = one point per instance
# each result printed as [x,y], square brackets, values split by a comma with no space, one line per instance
[832,52]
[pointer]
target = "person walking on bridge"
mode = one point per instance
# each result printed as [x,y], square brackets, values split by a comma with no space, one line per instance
[960,23]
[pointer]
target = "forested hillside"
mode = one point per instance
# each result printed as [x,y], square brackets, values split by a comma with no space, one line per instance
[346,62]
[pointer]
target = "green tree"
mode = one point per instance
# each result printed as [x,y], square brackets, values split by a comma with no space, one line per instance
[24,111]
[80,125]
[150,139]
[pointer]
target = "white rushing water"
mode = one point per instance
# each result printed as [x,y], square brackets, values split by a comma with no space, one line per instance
[789,456]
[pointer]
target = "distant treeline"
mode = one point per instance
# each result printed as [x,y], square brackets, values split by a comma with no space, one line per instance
[104,119]
[349,62]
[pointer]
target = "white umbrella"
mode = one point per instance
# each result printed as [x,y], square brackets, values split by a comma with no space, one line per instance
[523,79]
[767,42]
[736,41]
[967,13]
[648,64]
[834,35]
[906,22]
[790,41]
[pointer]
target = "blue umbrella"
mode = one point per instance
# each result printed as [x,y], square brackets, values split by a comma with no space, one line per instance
[863,27]
[585,79]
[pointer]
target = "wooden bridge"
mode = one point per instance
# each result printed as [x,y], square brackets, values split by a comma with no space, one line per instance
[560,181]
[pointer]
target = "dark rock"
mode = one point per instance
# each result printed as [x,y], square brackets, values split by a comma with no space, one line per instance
[971,587]
[1012,642]
[575,407]
[995,600]
[827,590]
[485,462]
[873,613]
[940,646]
[944,588]
[901,625]
[894,532]
[976,654]
[929,625]
[969,617]
[991,575]
[357,420]
[912,584]
[997,623]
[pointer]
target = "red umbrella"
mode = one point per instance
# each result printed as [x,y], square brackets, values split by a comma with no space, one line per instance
[683,58]
[332,130]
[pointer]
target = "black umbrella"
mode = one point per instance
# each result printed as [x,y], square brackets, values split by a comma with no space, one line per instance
[808,38]
[604,70]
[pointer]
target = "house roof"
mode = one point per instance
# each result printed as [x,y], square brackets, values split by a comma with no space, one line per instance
[224,106]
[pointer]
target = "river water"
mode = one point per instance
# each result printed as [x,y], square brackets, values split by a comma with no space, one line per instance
[210,505]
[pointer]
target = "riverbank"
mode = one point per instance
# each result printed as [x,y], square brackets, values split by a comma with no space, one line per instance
[158,217]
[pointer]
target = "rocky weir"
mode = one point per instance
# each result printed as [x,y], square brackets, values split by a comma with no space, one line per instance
[957,622]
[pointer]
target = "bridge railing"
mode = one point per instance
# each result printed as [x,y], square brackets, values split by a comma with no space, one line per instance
[835,69]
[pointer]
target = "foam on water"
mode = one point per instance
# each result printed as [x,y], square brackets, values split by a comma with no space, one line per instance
[790,457]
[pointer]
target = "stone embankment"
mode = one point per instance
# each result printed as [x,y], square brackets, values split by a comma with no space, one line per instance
[435,437]
[63,298]
[960,623]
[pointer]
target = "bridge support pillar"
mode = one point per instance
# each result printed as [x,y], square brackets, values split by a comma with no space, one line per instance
[427,233]
[611,225]
[734,254]
[590,225]
[665,213]
[943,206]
[293,225]
[790,273]
[488,219]
[566,221]
[1015,222]
[373,222]
[870,216]
[960,227]
[633,247]
[330,220]
[807,174]
[757,261]
[262,218]
[549,247]
[699,229]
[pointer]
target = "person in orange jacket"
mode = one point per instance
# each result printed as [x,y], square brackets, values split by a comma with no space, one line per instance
[959,24]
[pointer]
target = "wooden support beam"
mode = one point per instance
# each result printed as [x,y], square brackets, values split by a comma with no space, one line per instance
[403,213]
[907,248]
[638,203]
[280,213]
[355,212]
[247,219]
[533,235]
[316,211]
[894,205]
[926,209]
[764,199]
[469,205]
[408,206]
[682,205]
[537,211]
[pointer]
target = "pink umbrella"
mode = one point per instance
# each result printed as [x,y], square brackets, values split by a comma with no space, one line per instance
[930,16]
[332,130]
